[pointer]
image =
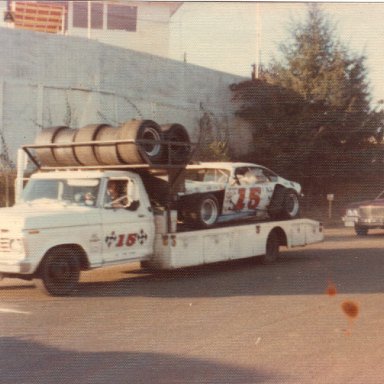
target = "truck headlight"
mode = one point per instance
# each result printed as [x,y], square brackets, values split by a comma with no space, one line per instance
[17,245]
[352,212]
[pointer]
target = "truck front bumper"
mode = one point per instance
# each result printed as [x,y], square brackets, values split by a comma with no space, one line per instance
[350,221]
[15,265]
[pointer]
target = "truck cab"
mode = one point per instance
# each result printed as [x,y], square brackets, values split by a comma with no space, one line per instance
[72,213]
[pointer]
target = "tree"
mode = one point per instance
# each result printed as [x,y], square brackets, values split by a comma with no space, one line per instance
[313,106]
[326,75]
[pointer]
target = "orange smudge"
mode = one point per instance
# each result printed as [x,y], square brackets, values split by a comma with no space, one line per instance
[350,308]
[331,289]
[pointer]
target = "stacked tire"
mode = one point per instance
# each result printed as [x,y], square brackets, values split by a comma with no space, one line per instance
[134,142]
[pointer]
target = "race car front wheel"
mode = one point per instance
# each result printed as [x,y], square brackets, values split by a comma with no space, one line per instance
[284,205]
[291,205]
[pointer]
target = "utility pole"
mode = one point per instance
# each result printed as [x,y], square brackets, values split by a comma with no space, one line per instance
[258,41]
[89,19]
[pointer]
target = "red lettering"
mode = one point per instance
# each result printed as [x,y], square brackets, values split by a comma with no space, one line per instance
[120,241]
[254,198]
[240,202]
[131,239]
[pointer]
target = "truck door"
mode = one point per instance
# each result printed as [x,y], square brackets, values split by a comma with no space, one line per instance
[127,225]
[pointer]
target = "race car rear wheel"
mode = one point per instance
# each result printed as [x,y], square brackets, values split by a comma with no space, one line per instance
[204,211]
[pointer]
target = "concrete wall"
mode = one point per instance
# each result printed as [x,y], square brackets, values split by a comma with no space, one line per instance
[48,80]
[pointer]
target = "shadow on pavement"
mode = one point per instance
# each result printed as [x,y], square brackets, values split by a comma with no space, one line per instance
[29,362]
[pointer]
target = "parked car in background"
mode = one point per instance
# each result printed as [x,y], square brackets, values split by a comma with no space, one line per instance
[365,215]
[223,191]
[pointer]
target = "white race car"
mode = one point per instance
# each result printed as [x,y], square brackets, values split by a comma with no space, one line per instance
[222,191]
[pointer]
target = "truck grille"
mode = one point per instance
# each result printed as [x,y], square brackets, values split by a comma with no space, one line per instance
[5,244]
[371,212]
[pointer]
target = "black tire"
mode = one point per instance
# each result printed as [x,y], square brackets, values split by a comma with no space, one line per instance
[361,231]
[59,272]
[285,204]
[291,205]
[176,154]
[272,249]
[202,211]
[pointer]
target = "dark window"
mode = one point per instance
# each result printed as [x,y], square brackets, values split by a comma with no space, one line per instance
[80,15]
[122,17]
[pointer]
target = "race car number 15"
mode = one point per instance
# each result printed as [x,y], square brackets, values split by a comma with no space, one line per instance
[253,199]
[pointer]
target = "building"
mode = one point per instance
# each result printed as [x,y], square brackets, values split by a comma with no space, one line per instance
[142,26]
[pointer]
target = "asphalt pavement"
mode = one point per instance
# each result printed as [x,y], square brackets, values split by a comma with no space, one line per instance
[316,316]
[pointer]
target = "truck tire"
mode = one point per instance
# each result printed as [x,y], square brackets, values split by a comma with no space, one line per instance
[86,153]
[272,249]
[65,156]
[47,136]
[361,231]
[176,154]
[107,154]
[59,272]
[204,212]
[147,152]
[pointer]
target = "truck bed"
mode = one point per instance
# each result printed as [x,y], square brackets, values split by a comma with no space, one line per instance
[190,248]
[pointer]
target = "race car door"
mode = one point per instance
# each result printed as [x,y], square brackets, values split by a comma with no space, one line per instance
[250,192]
[127,226]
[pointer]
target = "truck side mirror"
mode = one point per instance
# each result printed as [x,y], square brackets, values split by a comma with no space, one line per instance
[133,206]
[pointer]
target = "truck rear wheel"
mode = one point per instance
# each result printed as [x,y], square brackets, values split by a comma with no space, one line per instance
[272,249]
[59,272]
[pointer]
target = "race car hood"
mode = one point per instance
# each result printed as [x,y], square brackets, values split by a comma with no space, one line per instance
[35,216]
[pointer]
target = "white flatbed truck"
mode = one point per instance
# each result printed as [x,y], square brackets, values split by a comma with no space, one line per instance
[52,233]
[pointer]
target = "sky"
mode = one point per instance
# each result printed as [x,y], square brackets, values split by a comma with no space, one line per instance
[224,35]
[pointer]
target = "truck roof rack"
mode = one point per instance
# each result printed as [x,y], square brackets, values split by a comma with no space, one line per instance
[168,161]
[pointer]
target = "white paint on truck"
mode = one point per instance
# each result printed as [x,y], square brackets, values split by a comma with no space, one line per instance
[54,234]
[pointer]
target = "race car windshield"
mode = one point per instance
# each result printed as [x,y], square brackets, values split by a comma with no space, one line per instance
[72,191]
[208,175]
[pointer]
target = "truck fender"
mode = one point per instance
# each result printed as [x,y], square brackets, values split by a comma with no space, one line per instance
[75,248]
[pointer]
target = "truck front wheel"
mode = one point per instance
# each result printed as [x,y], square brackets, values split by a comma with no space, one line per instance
[59,272]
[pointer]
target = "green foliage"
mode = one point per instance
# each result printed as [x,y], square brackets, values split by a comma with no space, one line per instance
[7,182]
[311,111]
[215,151]
[213,141]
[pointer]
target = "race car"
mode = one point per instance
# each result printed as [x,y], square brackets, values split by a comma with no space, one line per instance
[222,191]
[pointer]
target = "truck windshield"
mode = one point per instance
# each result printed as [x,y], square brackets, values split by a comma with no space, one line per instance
[69,191]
